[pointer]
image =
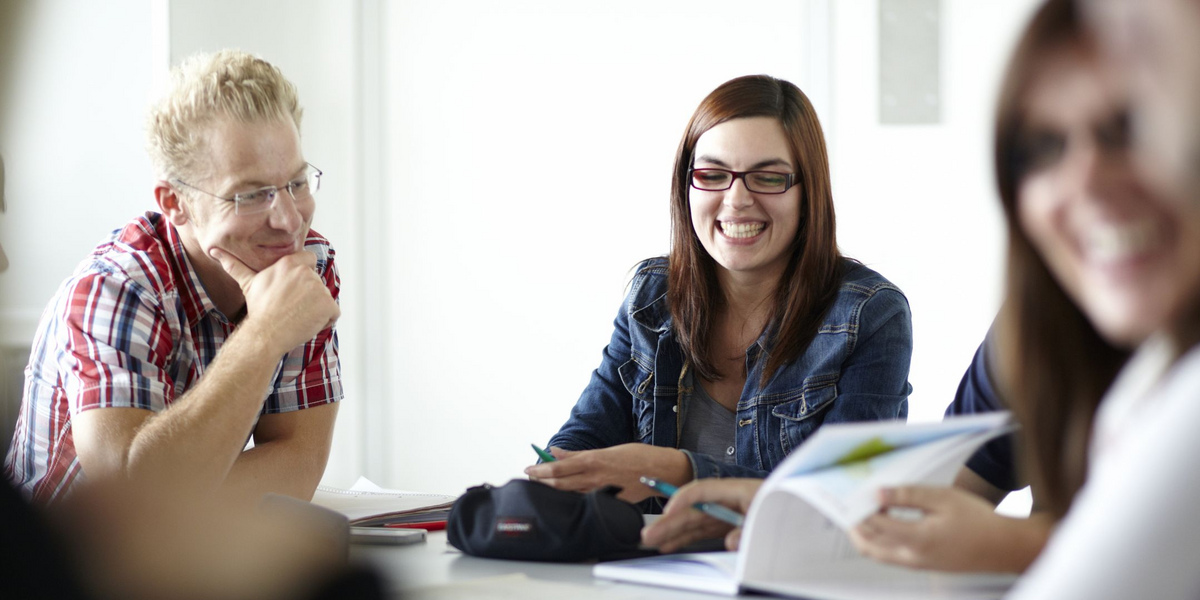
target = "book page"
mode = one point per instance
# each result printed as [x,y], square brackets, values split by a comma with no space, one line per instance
[711,572]
[848,493]
[359,505]
[844,443]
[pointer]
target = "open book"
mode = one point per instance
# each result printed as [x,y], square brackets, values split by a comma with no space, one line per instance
[795,541]
[366,504]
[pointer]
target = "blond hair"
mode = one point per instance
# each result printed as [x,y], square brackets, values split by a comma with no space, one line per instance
[206,87]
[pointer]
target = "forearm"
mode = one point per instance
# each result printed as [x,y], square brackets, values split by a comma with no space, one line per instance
[1023,543]
[194,443]
[275,467]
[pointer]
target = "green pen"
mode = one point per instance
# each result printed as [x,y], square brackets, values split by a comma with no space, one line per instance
[542,454]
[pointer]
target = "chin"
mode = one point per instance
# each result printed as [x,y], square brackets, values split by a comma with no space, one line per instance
[1126,323]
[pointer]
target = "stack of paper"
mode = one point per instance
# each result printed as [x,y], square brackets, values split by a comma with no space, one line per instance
[366,504]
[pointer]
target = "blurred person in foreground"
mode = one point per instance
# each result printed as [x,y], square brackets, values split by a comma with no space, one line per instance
[1133,530]
[1157,45]
[192,330]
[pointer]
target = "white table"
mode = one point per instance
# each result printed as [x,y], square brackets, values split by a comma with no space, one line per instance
[435,570]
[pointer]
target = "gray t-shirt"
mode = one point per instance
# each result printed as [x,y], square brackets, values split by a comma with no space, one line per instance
[708,427]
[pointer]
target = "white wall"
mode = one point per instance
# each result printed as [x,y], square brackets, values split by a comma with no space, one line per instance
[72,144]
[918,202]
[481,269]
[509,263]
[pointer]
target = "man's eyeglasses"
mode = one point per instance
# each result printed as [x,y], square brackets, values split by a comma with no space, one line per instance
[760,182]
[301,189]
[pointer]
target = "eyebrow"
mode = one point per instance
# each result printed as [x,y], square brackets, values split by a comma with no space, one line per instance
[771,162]
[259,184]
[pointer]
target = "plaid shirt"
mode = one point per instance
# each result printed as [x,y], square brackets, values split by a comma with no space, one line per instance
[133,327]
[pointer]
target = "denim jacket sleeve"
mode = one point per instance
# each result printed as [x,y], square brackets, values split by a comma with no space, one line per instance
[874,380]
[603,415]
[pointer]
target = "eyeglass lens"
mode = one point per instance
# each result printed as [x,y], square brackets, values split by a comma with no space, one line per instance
[716,180]
[301,190]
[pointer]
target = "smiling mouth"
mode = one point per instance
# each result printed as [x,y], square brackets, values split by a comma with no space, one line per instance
[1115,243]
[741,230]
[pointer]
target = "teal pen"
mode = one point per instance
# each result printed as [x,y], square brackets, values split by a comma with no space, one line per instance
[715,511]
[545,456]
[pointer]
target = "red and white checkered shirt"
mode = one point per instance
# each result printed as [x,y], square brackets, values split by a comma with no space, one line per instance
[134,327]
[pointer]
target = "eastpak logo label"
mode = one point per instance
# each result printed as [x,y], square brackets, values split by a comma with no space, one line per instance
[515,527]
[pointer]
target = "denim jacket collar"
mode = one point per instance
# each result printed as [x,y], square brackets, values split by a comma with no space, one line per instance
[656,316]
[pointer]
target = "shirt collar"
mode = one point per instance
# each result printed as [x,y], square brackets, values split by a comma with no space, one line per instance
[196,302]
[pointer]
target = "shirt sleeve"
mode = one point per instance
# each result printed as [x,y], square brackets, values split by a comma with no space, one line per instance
[311,374]
[112,346]
[995,462]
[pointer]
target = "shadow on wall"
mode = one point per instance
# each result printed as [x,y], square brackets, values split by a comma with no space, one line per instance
[12,381]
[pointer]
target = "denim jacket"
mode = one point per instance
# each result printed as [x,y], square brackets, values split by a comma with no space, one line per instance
[855,369]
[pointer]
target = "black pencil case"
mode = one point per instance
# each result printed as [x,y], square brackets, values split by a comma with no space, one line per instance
[527,520]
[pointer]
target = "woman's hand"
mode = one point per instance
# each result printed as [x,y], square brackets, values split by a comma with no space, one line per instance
[958,531]
[681,524]
[622,465]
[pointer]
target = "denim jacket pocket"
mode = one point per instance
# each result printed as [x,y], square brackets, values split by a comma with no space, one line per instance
[799,418]
[639,382]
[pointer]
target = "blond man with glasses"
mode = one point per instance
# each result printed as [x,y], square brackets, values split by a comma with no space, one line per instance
[197,328]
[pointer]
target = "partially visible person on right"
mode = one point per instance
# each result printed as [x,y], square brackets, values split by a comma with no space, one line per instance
[1133,530]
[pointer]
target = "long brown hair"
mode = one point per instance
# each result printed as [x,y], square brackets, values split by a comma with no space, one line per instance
[1054,367]
[810,281]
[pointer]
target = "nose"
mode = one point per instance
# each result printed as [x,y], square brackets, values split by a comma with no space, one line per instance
[285,212]
[1094,170]
[737,196]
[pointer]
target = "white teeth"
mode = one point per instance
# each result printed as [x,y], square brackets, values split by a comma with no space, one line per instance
[741,230]
[1111,243]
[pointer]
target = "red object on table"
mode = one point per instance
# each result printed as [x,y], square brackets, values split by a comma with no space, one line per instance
[427,526]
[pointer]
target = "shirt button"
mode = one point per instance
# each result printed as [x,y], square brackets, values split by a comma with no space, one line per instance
[675,409]
[729,451]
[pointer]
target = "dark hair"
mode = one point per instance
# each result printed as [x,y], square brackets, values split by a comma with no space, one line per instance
[1054,367]
[810,281]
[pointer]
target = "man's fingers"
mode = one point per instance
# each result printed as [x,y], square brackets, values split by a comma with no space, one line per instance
[236,268]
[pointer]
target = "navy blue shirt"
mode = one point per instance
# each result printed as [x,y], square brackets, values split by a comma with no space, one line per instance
[995,462]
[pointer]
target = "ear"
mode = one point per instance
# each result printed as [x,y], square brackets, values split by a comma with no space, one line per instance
[171,203]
